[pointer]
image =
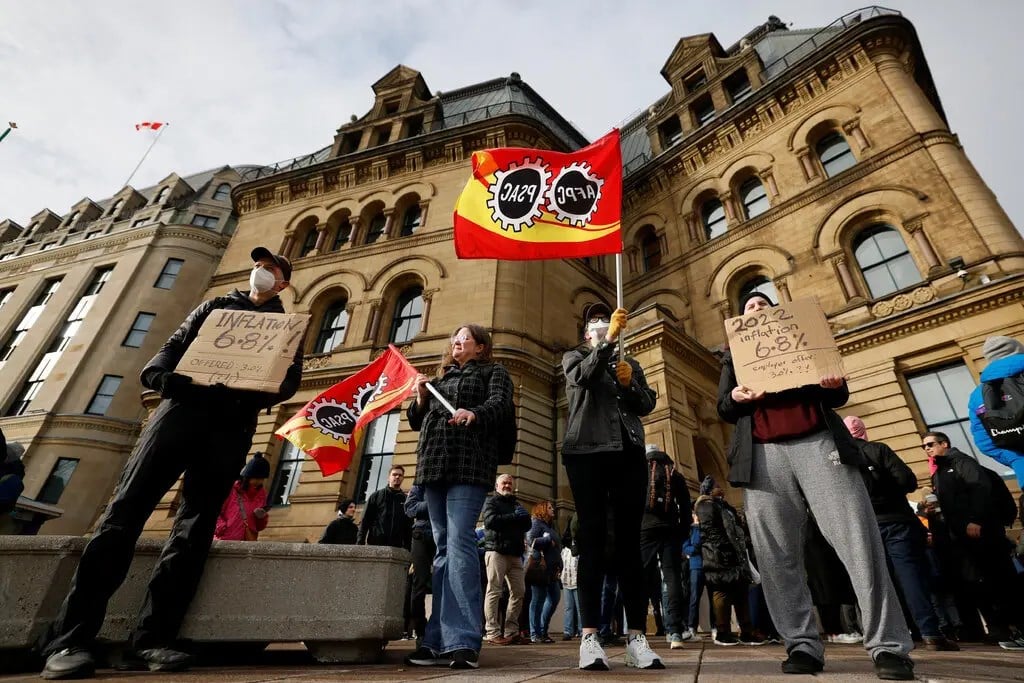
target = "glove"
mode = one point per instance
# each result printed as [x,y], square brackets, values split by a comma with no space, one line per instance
[259,513]
[624,373]
[617,324]
[172,385]
[521,512]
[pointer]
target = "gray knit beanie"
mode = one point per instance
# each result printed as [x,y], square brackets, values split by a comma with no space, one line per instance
[1000,347]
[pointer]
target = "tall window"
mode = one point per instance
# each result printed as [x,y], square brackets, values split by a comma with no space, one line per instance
[162,195]
[941,397]
[204,221]
[104,395]
[884,260]
[671,132]
[712,214]
[411,220]
[342,236]
[286,478]
[60,477]
[703,110]
[650,247]
[5,296]
[67,332]
[140,327]
[332,329]
[222,192]
[754,198]
[835,154]
[738,86]
[759,284]
[695,80]
[408,316]
[28,320]
[309,241]
[376,228]
[169,274]
[377,455]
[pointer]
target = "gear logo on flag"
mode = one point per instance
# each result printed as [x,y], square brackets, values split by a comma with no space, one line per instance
[339,419]
[574,194]
[517,194]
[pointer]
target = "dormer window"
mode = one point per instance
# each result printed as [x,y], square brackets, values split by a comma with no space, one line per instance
[738,86]
[71,219]
[703,110]
[391,107]
[162,196]
[671,132]
[222,192]
[381,135]
[695,81]
[415,126]
[116,208]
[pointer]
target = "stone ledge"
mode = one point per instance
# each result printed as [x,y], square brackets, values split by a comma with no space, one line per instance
[342,600]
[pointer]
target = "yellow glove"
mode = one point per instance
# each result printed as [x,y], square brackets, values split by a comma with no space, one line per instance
[624,373]
[617,324]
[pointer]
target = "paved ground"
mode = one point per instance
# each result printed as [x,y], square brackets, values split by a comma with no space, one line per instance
[550,663]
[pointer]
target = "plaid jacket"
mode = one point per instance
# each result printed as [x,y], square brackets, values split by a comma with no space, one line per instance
[452,454]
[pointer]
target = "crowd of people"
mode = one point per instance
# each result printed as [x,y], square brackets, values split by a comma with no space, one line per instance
[824,548]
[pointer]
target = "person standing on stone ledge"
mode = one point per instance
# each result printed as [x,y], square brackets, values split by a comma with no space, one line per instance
[244,513]
[343,530]
[203,432]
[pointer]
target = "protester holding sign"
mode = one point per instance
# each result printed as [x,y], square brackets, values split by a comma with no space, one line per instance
[457,461]
[224,420]
[790,452]
[1004,378]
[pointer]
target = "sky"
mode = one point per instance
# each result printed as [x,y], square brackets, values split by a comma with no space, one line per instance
[260,81]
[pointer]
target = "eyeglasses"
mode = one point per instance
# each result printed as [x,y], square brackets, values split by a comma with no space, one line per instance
[599,319]
[930,444]
[461,340]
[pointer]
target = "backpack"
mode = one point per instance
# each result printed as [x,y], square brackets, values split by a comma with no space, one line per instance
[506,433]
[659,487]
[1003,413]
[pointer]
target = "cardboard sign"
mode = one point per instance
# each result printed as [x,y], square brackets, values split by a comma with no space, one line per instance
[783,347]
[244,349]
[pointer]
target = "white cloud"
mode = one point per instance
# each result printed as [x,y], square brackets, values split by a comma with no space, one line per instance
[261,81]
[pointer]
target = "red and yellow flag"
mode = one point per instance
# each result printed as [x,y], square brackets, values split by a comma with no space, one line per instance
[525,204]
[330,426]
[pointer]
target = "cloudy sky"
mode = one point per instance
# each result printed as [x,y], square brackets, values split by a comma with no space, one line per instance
[258,81]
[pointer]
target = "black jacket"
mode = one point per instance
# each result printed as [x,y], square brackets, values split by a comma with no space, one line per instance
[741,448]
[504,530]
[888,480]
[342,531]
[237,403]
[673,516]
[600,409]
[384,520]
[964,492]
[723,542]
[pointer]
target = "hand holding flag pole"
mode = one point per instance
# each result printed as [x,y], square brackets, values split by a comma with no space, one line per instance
[437,394]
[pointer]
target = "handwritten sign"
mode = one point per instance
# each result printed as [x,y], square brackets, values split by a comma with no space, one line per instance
[783,347]
[244,349]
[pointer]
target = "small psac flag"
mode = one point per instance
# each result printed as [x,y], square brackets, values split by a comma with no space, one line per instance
[329,426]
[153,125]
[524,204]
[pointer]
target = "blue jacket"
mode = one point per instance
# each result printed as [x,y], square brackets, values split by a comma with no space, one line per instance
[997,369]
[691,547]
[416,508]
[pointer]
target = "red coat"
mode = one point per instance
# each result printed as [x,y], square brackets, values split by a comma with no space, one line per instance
[230,525]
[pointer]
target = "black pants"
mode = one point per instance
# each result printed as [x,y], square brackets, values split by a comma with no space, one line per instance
[990,578]
[662,553]
[210,450]
[619,480]
[423,551]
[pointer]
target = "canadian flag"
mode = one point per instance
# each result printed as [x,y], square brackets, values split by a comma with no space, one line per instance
[152,125]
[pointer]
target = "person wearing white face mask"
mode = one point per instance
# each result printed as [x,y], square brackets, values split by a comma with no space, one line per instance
[603,454]
[166,449]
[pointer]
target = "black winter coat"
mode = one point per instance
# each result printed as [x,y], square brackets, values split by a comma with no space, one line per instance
[342,531]
[456,454]
[600,409]
[384,520]
[965,495]
[741,448]
[550,546]
[673,515]
[888,480]
[723,543]
[504,530]
[235,403]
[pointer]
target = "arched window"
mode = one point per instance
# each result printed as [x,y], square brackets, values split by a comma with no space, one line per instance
[650,248]
[332,328]
[162,195]
[408,316]
[758,284]
[411,220]
[754,198]
[342,236]
[309,241]
[884,260]
[116,207]
[223,191]
[712,213]
[835,155]
[376,228]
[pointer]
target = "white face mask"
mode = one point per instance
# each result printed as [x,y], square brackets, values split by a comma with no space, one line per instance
[261,280]
[596,331]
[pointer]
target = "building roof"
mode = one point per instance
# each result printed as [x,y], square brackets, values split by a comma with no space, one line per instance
[197,181]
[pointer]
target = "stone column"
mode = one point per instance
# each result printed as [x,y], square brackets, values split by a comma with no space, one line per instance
[916,229]
[730,211]
[389,223]
[807,164]
[354,222]
[767,177]
[783,289]
[845,276]
[423,213]
[428,296]
[373,328]
[286,245]
[853,130]
[318,248]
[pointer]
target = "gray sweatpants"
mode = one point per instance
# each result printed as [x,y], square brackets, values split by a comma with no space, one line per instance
[783,476]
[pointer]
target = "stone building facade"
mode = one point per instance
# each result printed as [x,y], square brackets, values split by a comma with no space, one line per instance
[85,300]
[808,163]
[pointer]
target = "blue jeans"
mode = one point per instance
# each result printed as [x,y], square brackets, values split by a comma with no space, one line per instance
[572,624]
[905,544]
[696,590]
[543,600]
[456,617]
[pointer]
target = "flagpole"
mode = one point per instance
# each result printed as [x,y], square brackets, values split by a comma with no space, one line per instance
[4,134]
[618,298]
[158,134]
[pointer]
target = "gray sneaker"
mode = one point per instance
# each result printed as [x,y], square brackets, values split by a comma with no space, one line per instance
[71,662]
[675,641]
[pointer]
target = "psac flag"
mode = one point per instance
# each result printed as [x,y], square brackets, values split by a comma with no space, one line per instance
[524,204]
[329,426]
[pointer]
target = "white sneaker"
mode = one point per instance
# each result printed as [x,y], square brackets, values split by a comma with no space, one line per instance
[846,638]
[592,656]
[1015,644]
[640,655]
[688,634]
